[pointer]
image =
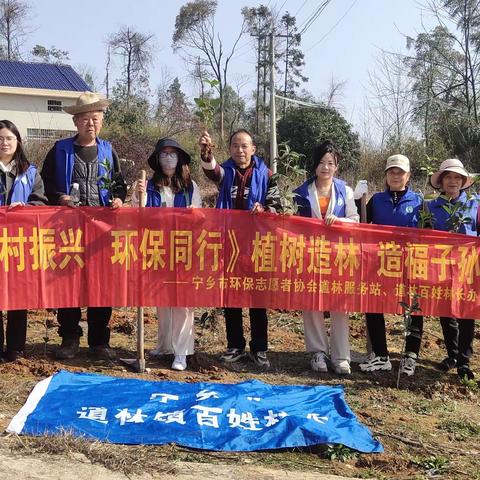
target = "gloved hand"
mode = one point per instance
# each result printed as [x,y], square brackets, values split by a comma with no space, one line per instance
[360,189]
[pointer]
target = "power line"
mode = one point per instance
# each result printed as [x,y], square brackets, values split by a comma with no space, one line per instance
[334,26]
[311,20]
[282,5]
[298,11]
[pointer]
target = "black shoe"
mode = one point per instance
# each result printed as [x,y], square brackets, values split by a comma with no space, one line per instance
[103,352]
[464,371]
[447,364]
[233,355]
[261,359]
[68,349]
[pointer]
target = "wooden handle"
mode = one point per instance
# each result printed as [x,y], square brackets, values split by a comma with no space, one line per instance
[140,324]
[142,200]
[363,208]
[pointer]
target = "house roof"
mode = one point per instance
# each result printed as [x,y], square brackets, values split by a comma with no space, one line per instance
[40,75]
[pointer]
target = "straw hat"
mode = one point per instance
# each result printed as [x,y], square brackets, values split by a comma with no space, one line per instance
[451,165]
[88,102]
[399,161]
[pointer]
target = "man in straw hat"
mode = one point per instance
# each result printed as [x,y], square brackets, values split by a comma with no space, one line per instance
[76,165]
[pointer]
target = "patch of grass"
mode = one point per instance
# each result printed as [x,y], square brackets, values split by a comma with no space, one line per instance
[423,407]
[434,464]
[123,458]
[461,430]
[339,452]
[471,385]
[373,473]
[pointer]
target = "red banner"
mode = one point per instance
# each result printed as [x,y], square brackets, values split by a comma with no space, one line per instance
[61,257]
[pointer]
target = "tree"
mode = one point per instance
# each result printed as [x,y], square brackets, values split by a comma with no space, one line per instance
[128,113]
[334,93]
[433,71]
[13,15]
[172,115]
[391,99]
[88,76]
[446,67]
[305,127]
[259,21]
[294,58]
[234,109]
[50,55]
[195,34]
[135,50]
[263,24]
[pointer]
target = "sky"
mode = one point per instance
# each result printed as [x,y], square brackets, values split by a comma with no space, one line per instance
[342,43]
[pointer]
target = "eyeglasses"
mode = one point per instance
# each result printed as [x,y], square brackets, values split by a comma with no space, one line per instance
[7,139]
[170,155]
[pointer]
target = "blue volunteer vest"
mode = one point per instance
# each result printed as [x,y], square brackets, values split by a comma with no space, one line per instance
[441,216]
[304,207]
[65,159]
[22,187]
[258,186]
[406,213]
[181,199]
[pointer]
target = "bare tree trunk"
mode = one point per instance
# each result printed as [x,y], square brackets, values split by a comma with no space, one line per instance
[9,38]
[107,72]
[286,76]
[264,99]
[222,112]
[257,99]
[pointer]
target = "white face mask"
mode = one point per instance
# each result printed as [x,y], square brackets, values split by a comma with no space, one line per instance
[169,161]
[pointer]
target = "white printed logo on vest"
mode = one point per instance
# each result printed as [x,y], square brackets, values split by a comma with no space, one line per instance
[409,209]
[24,180]
[340,202]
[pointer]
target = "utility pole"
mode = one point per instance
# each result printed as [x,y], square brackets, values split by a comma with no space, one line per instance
[273,116]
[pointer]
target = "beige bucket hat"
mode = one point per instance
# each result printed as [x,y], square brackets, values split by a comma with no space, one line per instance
[88,102]
[399,161]
[451,165]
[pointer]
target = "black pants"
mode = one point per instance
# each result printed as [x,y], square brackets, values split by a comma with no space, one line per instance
[97,320]
[258,327]
[378,337]
[16,331]
[458,336]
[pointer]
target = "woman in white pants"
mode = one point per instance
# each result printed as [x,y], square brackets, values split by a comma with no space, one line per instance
[326,197]
[171,186]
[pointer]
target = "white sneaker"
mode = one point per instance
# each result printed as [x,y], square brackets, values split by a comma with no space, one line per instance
[375,363]
[319,362]
[342,368]
[179,362]
[408,364]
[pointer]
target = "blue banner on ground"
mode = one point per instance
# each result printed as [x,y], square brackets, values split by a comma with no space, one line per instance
[211,416]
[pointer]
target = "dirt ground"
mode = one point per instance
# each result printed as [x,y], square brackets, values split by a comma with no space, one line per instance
[430,426]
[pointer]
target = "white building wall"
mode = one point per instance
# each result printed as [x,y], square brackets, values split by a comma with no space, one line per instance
[30,111]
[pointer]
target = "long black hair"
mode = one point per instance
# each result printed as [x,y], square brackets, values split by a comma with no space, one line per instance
[19,156]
